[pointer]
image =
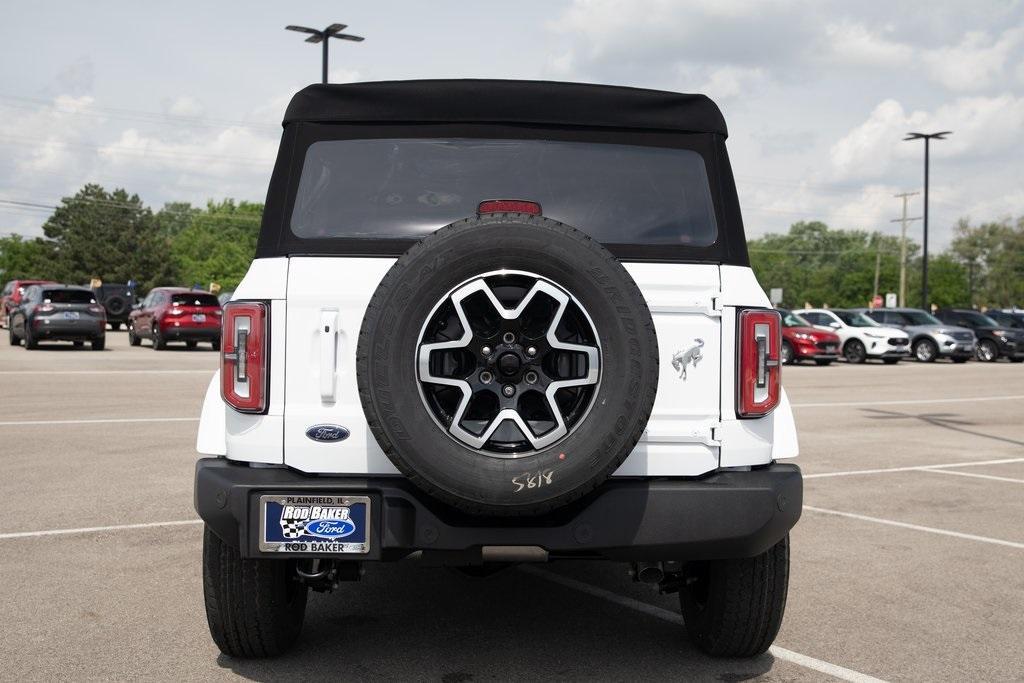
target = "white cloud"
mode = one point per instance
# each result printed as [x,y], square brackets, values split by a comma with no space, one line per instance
[228,152]
[981,126]
[728,82]
[47,137]
[185,106]
[976,63]
[853,43]
[343,75]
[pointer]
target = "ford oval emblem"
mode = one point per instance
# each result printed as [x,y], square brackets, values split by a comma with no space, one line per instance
[330,528]
[327,433]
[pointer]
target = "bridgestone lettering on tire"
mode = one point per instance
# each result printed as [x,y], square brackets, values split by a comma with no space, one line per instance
[560,344]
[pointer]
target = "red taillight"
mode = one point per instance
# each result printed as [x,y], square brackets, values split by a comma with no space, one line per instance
[45,308]
[98,310]
[759,367]
[243,360]
[509,206]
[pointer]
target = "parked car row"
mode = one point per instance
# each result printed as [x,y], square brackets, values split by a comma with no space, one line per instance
[891,334]
[39,311]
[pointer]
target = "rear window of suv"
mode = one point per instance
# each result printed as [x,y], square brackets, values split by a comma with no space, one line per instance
[68,296]
[194,300]
[407,188]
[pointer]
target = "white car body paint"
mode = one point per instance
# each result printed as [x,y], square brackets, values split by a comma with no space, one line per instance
[876,346]
[693,427]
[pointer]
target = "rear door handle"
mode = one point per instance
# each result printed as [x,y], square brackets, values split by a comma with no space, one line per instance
[328,354]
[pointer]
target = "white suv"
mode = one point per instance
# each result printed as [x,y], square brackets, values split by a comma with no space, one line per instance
[493,322]
[860,336]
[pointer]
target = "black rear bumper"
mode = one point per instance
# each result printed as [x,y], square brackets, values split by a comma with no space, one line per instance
[722,515]
[190,333]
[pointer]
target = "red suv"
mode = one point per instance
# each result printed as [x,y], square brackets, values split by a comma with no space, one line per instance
[175,314]
[800,340]
[10,298]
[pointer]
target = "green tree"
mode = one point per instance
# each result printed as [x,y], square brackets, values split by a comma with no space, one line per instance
[218,244]
[813,263]
[26,259]
[175,217]
[993,254]
[947,281]
[109,235]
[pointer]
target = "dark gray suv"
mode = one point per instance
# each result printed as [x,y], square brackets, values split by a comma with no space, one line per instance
[58,313]
[930,338]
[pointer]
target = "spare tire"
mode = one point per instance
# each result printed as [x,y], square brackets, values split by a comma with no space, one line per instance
[115,304]
[507,364]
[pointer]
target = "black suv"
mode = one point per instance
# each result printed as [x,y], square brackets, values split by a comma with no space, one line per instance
[994,340]
[117,300]
[58,313]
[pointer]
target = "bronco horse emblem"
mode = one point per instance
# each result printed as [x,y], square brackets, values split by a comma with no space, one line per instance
[683,358]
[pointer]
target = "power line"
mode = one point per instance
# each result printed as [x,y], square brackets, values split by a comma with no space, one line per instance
[141,152]
[125,114]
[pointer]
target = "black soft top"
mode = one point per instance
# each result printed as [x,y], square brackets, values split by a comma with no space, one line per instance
[501,101]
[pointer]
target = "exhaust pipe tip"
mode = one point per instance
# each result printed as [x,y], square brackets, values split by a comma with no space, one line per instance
[649,572]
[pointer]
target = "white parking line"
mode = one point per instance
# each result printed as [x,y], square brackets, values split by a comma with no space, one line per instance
[100,421]
[991,477]
[915,401]
[95,529]
[107,372]
[917,527]
[835,670]
[914,468]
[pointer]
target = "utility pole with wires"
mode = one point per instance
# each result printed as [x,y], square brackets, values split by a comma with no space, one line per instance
[878,270]
[903,220]
[324,36]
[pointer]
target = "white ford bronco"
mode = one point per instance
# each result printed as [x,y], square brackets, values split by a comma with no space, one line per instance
[494,322]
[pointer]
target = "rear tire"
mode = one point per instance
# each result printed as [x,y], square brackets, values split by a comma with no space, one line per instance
[734,608]
[14,339]
[133,338]
[854,351]
[158,342]
[254,608]
[78,344]
[99,343]
[190,344]
[216,344]
[30,342]
[114,327]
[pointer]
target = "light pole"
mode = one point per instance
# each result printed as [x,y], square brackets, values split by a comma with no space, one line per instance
[927,137]
[324,36]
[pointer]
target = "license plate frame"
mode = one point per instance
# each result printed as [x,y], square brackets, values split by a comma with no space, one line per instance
[308,532]
[72,315]
[199,317]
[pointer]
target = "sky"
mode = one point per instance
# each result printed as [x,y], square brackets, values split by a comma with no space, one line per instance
[183,101]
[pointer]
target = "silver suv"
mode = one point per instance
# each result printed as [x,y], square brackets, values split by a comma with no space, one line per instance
[930,338]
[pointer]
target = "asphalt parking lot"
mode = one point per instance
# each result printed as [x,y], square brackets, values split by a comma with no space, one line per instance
[907,563]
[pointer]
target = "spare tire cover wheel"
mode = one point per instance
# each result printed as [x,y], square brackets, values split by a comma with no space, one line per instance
[116,304]
[507,364]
